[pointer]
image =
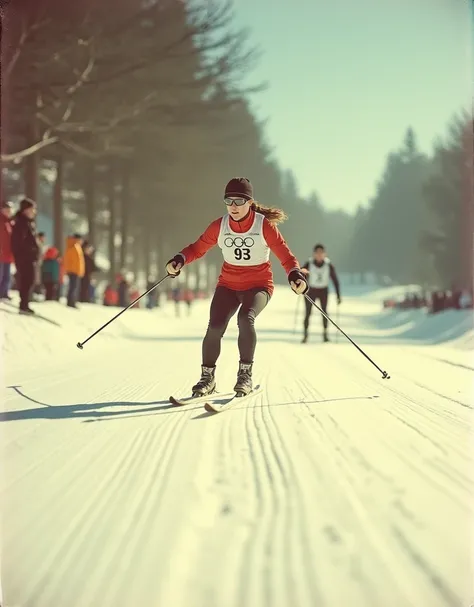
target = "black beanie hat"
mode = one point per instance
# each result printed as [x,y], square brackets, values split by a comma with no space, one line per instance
[239,186]
[26,203]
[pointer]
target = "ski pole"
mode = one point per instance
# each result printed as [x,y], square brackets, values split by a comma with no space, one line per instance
[80,345]
[385,375]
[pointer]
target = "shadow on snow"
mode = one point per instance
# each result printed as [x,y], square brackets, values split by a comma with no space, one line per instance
[90,412]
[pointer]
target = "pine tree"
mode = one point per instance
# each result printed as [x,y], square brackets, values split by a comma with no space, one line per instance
[448,239]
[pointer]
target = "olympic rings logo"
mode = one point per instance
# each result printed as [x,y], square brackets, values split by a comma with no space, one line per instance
[239,242]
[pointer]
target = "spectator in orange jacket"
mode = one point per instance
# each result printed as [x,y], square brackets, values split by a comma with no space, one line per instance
[74,267]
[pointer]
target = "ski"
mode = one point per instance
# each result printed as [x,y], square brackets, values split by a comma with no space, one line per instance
[218,406]
[187,400]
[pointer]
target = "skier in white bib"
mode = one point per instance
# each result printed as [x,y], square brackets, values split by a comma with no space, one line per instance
[246,234]
[319,270]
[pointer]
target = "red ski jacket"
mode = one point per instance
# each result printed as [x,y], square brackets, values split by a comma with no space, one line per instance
[6,255]
[241,278]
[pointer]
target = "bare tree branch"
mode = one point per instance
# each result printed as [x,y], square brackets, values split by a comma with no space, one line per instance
[83,77]
[18,156]
[69,117]
[108,149]
[216,17]
[102,126]
[50,136]
[26,31]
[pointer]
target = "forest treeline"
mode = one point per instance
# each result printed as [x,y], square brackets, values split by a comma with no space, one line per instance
[138,114]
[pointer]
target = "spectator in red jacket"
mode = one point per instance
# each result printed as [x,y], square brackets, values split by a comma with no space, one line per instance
[6,255]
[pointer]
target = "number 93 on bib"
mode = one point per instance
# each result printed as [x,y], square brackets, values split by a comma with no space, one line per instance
[245,249]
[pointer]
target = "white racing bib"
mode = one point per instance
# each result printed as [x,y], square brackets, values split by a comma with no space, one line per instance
[319,277]
[246,248]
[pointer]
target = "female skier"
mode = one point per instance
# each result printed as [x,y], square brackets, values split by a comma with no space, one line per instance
[246,235]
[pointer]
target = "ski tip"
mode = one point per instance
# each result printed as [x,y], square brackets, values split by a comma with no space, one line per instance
[175,401]
[236,397]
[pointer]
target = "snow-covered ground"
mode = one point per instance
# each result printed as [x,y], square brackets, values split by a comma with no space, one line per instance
[332,487]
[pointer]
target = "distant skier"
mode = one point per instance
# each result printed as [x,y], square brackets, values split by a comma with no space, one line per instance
[246,234]
[319,270]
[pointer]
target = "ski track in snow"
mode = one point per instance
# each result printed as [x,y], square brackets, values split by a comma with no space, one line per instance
[330,487]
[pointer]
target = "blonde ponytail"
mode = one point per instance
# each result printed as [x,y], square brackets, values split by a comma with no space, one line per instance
[273,214]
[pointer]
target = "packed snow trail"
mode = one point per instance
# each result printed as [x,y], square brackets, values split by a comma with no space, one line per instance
[331,487]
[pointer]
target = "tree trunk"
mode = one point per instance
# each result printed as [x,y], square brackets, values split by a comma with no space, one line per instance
[467,213]
[125,200]
[112,225]
[137,252]
[89,193]
[146,250]
[58,204]
[31,163]
[160,248]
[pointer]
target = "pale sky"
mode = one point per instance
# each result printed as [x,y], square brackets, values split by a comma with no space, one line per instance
[347,77]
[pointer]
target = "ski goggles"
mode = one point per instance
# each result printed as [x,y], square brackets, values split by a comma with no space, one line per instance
[237,201]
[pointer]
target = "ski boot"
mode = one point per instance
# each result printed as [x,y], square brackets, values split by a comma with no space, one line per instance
[27,311]
[325,336]
[207,383]
[244,379]
[305,337]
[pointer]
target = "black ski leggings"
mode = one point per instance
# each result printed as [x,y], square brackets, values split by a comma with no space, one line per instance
[26,282]
[223,306]
[315,294]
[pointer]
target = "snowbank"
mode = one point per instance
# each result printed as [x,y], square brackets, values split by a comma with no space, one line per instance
[52,335]
[451,327]
[374,293]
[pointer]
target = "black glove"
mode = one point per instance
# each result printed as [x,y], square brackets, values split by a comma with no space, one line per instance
[298,282]
[173,267]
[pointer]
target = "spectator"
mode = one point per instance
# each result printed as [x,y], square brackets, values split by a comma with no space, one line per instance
[152,297]
[51,274]
[123,291]
[456,293]
[93,290]
[25,251]
[177,297]
[465,299]
[41,239]
[188,298]
[74,267]
[134,294]
[89,269]
[110,296]
[6,255]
